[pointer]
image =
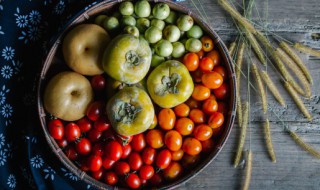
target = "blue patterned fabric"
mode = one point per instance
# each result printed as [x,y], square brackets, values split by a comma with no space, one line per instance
[26,27]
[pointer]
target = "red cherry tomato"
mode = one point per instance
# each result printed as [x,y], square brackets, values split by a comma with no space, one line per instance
[72,132]
[216,120]
[110,178]
[108,163]
[222,71]
[56,129]
[148,155]
[62,143]
[84,124]
[126,150]
[83,147]
[95,110]
[124,140]
[121,168]
[163,159]
[146,172]
[222,92]
[83,165]
[94,163]
[156,180]
[133,181]
[94,135]
[206,64]
[101,124]
[71,152]
[135,161]
[113,150]
[222,107]
[138,142]
[98,174]
[97,149]
[108,135]
[98,82]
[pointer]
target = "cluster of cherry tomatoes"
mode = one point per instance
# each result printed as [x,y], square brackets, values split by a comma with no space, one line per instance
[174,142]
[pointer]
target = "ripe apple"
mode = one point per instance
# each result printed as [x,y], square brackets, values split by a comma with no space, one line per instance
[83,48]
[67,96]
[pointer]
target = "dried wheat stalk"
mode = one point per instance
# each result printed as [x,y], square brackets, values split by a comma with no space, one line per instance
[272,87]
[304,145]
[267,135]
[248,171]
[306,49]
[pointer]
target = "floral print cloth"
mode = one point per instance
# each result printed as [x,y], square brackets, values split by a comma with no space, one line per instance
[26,30]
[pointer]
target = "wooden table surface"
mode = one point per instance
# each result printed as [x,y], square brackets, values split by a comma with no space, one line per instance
[296,21]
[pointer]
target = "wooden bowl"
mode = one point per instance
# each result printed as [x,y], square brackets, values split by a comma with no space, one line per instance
[54,63]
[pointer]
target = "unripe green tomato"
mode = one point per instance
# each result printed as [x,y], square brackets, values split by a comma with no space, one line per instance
[193,45]
[131,30]
[163,48]
[172,18]
[178,49]
[161,11]
[99,19]
[142,8]
[142,24]
[156,60]
[126,8]
[158,23]
[111,23]
[185,22]
[171,33]
[153,34]
[128,21]
[195,32]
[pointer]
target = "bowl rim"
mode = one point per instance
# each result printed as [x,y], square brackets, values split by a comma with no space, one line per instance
[84,15]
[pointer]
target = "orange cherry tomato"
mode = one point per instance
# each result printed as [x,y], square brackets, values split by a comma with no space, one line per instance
[191,146]
[202,132]
[222,92]
[192,103]
[173,140]
[210,105]
[197,116]
[215,56]
[184,126]
[207,145]
[181,110]
[222,71]
[154,138]
[166,118]
[177,155]
[196,75]
[154,122]
[222,107]
[191,61]
[212,80]
[207,43]
[173,171]
[206,64]
[200,53]
[200,92]
[189,161]
[216,120]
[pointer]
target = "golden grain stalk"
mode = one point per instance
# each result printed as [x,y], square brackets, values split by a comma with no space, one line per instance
[261,89]
[304,145]
[238,68]
[306,49]
[248,171]
[232,48]
[267,135]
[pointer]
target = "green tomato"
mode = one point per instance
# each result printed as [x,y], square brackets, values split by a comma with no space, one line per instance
[156,60]
[171,33]
[99,19]
[153,34]
[163,48]
[131,30]
[172,18]
[127,58]
[170,84]
[195,32]
[111,23]
[142,8]
[185,22]
[178,50]
[158,23]
[130,111]
[128,21]
[142,24]
[117,15]
[126,8]
[161,11]
[193,45]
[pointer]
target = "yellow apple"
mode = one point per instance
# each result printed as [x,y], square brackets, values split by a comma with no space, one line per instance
[67,96]
[83,48]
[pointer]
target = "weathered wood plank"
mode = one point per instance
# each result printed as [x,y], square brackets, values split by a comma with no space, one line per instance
[295,169]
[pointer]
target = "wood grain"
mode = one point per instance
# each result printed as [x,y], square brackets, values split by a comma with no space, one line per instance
[296,21]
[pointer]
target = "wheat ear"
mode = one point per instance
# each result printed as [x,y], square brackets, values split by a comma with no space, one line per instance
[272,87]
[267,135]
[248,171]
